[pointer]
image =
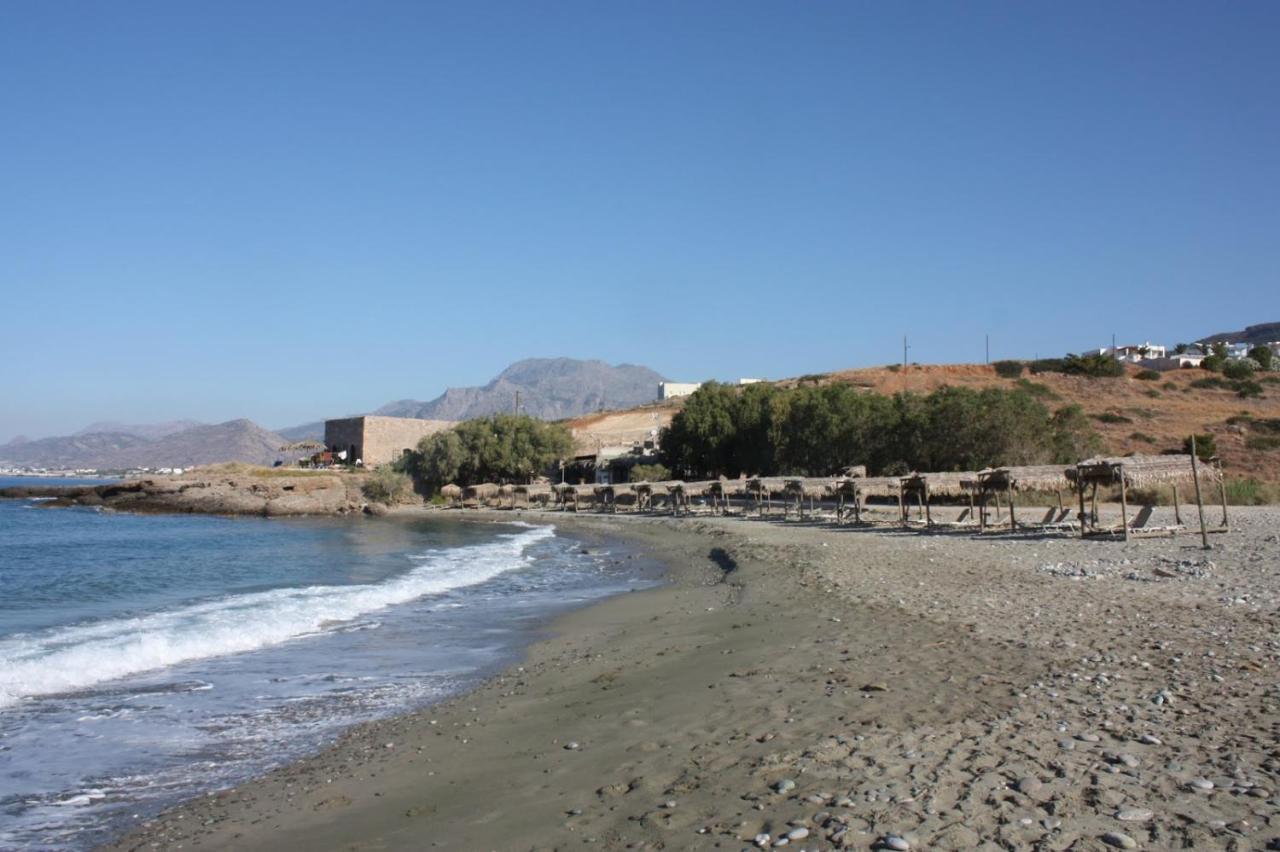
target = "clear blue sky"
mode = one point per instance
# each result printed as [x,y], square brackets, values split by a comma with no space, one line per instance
[287,211]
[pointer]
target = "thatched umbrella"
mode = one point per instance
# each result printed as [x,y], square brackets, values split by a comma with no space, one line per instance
[609,494]
[1010,480]
[537,492]
[925,486]
[1139,471]
[762,489]
[811,488]
[452,493]
[480,493]
[682,492]
[856,489]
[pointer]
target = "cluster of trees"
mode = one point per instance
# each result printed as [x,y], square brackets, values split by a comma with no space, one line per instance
[505,448]
[818,430]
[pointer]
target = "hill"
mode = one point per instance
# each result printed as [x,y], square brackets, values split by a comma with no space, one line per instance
[550,388]
[1267,332]
[149,431]
[235,440]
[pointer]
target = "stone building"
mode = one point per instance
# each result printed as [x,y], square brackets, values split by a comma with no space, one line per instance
[377,440]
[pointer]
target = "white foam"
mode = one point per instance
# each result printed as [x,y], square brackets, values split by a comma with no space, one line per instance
[73,658]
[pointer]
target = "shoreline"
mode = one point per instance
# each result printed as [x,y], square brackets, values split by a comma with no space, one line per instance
[992,709]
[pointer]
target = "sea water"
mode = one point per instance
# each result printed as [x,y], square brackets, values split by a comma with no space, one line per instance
[145,659]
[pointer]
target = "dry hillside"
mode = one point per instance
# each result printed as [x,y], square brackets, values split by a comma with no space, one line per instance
[1164,411]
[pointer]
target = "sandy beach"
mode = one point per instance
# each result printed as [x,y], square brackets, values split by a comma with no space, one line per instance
[820,687]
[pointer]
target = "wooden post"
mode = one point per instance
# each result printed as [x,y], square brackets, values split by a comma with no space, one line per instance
[1013,521]
[1124,506]
[1222,489]
[1080,490]
[902,507]
[1195,476]
[982,511]
[928,508]
[1177,512]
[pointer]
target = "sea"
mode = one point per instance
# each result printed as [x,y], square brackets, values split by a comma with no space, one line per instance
[148,659]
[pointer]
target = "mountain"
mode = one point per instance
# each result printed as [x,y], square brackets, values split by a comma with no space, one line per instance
[235,440]
[1253,335]
[139,430]
[550,388]
[305,432]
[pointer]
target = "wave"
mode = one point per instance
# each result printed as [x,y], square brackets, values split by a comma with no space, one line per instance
[71,659]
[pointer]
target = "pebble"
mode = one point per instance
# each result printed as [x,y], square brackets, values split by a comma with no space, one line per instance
[1149,739]
[1029,786]
[893,841]
[1121,841]
[762,840]
[1134,815]
[1201,784]
[572,745]
[786,785]
[1088,738]
[797,834]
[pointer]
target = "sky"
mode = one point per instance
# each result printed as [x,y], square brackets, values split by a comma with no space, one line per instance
[287,211]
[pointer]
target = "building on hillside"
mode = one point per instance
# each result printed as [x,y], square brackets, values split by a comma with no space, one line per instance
[1135,352]
[1175,361]
[373,440]
[672,390]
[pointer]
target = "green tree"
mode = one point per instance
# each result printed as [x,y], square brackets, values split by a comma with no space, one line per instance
[1073,437]
[700,440]
[1263,355]
[502,448]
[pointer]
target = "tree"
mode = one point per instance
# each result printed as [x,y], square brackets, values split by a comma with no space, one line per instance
[1073,436]
[1238,370]
[1263,355]
[502,448]
[700,440]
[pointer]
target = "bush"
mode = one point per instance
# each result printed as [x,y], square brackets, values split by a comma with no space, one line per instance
[387,486]
[1211,382]
[1153,393]
[1008,369]
[1206,445]
[649,473]
[1213,363]
[1111,417]
[1141,436]
[1147,376]
[1251,492]
[1037,390]
[1238,370]
[893,368]
[1093,365]
[1169,386]
[1048,365]
[1262,442]
[1248,389]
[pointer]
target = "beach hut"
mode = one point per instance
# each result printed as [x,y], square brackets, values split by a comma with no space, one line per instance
[1143,472]
[923,487]
[853,492]
[991,483]
[451,493]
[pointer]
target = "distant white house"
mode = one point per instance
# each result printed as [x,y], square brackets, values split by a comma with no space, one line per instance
[673,390]
[1135,352]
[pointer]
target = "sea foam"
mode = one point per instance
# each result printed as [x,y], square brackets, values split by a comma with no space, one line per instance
[70,659]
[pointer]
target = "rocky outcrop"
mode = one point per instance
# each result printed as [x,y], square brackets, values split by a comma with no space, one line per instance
[248,493]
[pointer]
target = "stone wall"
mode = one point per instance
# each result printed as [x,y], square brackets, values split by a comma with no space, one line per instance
[378,440]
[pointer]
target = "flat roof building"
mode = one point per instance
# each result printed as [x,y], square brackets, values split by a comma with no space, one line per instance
[375,440]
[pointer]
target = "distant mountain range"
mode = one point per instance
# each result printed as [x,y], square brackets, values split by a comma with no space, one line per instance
[235,440]
[1253,335]
[549,388]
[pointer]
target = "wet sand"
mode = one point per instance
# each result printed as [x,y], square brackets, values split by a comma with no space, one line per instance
[849,688]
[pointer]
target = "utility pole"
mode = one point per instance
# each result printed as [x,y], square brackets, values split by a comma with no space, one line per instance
[988,349]
[517,402]
[905,347]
